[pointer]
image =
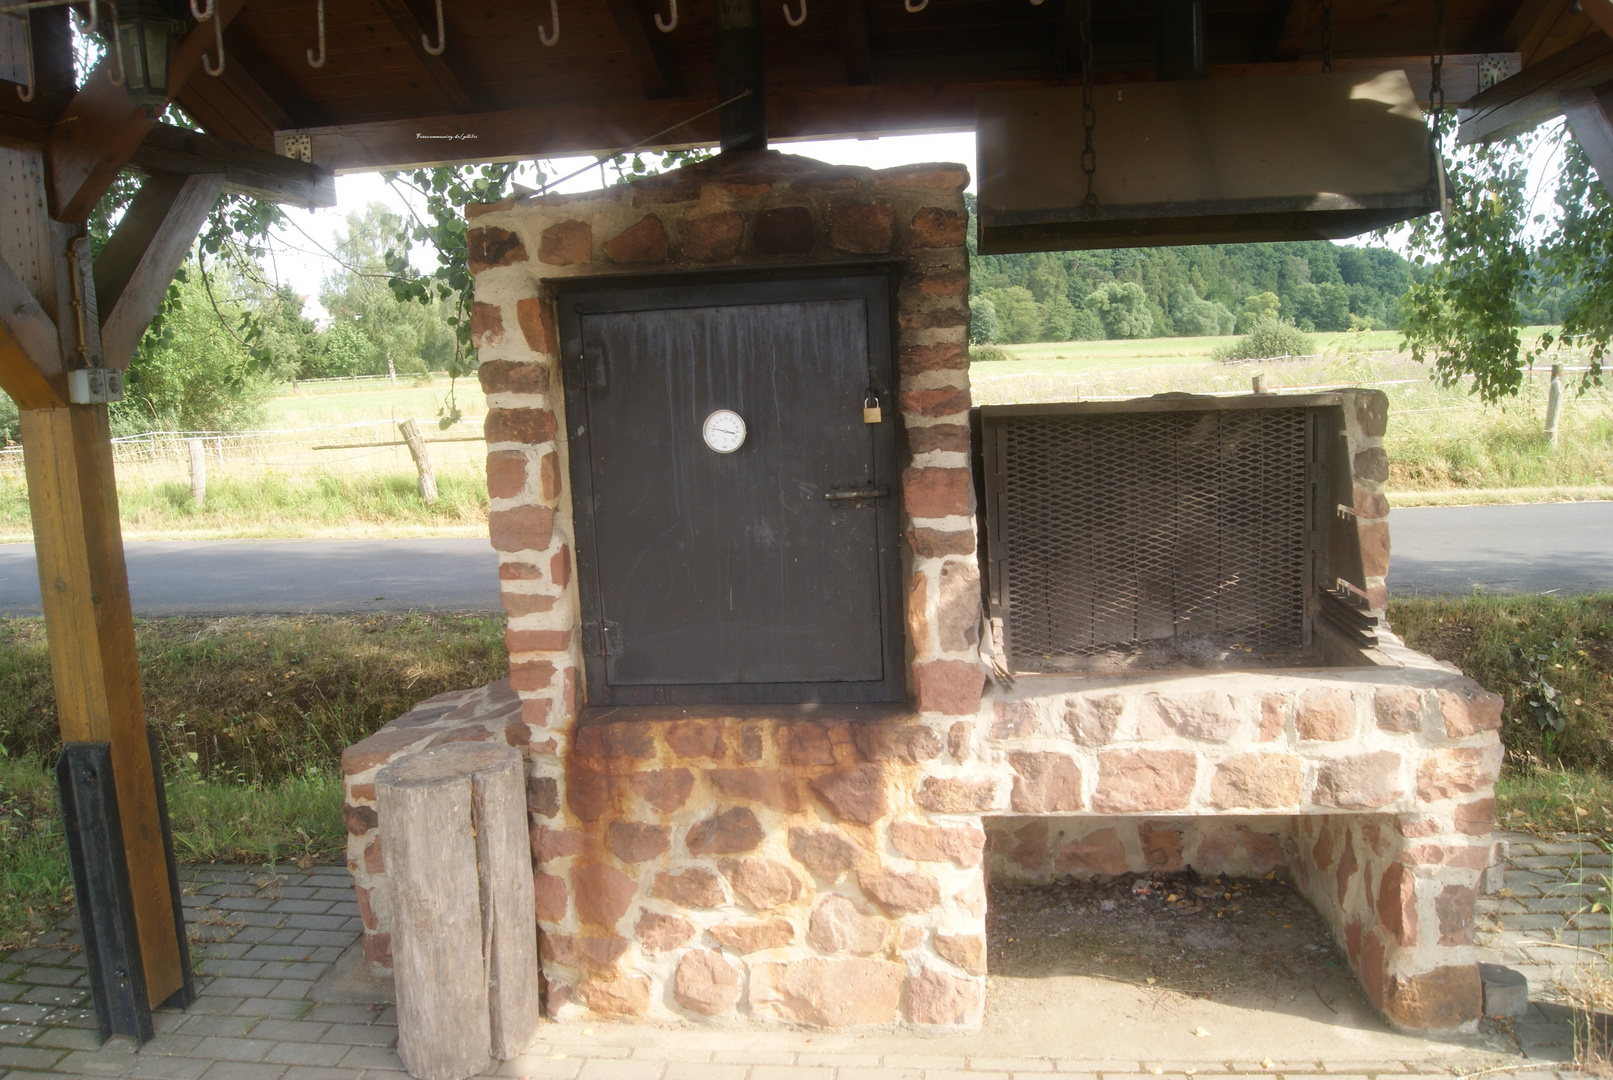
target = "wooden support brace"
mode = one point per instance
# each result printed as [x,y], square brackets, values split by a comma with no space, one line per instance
[138,264]
[83,584]
[30,363]
[102,128]
[1593,129]
[247,171]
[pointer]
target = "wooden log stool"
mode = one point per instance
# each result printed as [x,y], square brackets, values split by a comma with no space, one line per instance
[464,940]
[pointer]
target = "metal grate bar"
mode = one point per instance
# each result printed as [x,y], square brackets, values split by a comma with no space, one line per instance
[1182,532]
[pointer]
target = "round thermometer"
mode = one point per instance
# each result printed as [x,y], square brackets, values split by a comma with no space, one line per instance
[724,431]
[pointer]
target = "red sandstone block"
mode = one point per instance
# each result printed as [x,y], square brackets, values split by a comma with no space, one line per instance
[1397,903]
[1371,464]
[935,544]
[933,177]
[517,604]
[935,492]
[713,237]
[1374,548]
[1470,713]
[521,641]
[528,426]
[512,377]
[1456,770]
[642,242]
[784,230]
[1476,818]
[523,528]
[486,325]
[1325,715]
[379,749]
[862,228]
[492,246]
[531,675]
[519,571]
[567,244]
[560,566]
[936,401]
[1372,412]
[1132,781]
[946,356]
[506,473]
[949,686]
[1438,1000]
[536,318]
[934,228]
[1370,504]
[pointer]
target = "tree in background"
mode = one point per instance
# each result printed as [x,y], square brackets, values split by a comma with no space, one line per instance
[1256,307]
[1123,309]
[393,335]
[1491,251]
[983,326]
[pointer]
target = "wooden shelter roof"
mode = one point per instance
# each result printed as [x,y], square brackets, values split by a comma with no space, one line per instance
[854,68]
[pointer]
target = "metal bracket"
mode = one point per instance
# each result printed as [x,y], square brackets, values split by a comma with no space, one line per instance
[94,386]
[297,147]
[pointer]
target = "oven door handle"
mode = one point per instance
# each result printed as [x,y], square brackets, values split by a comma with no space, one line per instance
[856,494]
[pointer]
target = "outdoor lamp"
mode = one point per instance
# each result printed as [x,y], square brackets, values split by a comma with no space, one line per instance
[146,33]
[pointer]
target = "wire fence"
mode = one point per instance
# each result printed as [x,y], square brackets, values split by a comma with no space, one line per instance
[362,447]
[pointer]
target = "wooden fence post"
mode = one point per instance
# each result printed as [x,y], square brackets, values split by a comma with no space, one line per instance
[1554,404]
[198,471]
[417,450]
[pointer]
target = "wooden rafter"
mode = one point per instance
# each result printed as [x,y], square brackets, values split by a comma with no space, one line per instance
[651,58]
[135,268]
[246,170]
[236,106]
[446,72]
[1589,118]
[1289,24]
[102,128]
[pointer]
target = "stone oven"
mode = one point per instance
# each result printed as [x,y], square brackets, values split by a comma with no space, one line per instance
[767,772]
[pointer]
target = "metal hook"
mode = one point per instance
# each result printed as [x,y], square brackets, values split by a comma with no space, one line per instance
[667,27]
[218,27]
[205,13]
[554,18]
[27,92]
[442,39]
[318,61]
[908,4]
[802,19]
[87,27]
[117,46]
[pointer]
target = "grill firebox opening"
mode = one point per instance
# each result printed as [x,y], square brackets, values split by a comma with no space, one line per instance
[1168,532]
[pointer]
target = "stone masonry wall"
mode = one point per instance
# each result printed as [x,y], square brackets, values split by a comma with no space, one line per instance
[747,866]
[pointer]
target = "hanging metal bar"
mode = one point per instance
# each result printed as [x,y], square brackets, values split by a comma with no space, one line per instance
[201,15]
[554,19]
[318,61]
[793,21]
[668,27]
[27,92]
[218,28]
[442,38]
[117,47]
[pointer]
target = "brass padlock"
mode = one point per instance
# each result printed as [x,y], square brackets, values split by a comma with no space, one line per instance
[872,414]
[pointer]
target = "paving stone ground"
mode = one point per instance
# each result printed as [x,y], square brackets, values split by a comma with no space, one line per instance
[278,1001]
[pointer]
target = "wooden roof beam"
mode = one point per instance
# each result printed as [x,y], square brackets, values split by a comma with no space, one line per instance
[445,71]
[246,170]
[1531,97]
[235,106]
[1589,118]
[657,72]
[1285,39]
[135,268]
[101,128]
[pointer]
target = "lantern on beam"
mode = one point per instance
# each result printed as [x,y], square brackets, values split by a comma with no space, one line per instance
[145,35]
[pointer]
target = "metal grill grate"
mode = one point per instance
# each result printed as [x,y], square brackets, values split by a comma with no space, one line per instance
[1173,535]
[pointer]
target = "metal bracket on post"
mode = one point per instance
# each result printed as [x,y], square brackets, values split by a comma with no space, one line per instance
[95,852]
[96,855]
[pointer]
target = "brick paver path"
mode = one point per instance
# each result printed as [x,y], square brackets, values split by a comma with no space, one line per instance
[264,939]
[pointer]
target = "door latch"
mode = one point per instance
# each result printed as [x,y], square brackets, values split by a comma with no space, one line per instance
[856,495]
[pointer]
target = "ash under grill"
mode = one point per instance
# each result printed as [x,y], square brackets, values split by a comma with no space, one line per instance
[1173,533]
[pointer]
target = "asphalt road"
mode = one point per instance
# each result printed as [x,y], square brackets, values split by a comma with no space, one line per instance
[1564,547]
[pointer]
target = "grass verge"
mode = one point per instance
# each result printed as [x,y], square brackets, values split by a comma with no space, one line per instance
[258,700]
[297,819]
[1551,660]
[315,503]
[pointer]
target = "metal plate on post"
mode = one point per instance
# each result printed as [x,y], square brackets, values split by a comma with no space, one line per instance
[95,852]
[186,994]
[1295,157]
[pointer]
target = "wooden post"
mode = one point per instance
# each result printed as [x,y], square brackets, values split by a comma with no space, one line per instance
[1554,404]
[84,587]
[198,471]
[464,943]
[417,450]
[1259,383]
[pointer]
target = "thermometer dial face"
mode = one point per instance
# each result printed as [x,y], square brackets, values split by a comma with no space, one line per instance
[724,431]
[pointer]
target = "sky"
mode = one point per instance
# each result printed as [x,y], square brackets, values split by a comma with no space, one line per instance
[300,252]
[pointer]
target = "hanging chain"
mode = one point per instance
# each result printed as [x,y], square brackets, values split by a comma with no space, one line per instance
[1089,116]
[1436,63]
[1327,36]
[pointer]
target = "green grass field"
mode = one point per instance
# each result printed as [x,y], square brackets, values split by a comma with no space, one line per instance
[339,402]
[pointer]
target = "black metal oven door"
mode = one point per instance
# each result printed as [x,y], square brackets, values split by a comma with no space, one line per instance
[735,512]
